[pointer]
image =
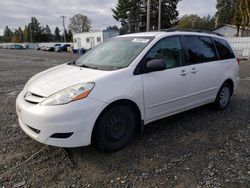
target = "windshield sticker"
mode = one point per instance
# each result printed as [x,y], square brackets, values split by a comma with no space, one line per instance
[140,40]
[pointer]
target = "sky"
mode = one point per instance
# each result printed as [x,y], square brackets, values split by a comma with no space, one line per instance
[15,13]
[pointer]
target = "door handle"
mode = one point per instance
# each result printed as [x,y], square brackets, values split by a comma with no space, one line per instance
[194,70]
[183,73]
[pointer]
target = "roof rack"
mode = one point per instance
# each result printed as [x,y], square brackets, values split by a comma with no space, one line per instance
[192,30]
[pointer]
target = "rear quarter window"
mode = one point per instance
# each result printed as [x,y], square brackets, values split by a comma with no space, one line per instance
[223,48]
[200,49]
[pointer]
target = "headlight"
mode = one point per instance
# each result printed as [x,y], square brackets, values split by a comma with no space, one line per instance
[70,94]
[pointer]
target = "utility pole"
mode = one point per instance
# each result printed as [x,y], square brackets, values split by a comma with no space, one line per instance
[159,16]
[148,15]
[63,18]
[129,21]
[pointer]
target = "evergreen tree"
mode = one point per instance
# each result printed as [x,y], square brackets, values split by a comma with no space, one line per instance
[47,35]
[69,36]
[17,36]
[7,34]
[57,36]
[20,34]
[169,13]
[132,14]
[36,30]
[26,33]
[129,13]
[114,27]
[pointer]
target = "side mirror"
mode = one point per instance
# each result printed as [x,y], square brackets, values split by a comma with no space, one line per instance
[155,65]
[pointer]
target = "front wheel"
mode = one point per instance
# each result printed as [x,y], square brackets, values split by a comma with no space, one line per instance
[223,97]
[115,128]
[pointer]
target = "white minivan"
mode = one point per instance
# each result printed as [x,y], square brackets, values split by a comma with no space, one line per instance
[118,87]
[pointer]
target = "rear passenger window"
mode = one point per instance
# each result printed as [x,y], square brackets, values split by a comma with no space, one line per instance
[225,52]
[169,49]
[200,49]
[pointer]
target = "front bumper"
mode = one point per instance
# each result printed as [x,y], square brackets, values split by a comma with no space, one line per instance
[41,122]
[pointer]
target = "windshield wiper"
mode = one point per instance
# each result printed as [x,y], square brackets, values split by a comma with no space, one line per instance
[87,66]
[72,63]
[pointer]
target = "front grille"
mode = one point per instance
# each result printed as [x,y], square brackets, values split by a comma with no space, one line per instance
[61,135]
[33,98]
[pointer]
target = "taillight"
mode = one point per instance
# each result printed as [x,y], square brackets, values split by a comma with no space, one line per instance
[238,61]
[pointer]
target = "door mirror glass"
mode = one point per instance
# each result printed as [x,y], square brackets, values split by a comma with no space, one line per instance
[155,65]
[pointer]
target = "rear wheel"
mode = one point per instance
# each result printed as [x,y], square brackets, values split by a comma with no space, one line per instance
[223,97]
[115,128]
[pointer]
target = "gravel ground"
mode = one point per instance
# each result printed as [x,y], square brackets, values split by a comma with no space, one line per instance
[199,148]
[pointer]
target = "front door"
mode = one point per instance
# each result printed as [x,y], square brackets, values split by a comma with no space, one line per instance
[165,92]
[92,42]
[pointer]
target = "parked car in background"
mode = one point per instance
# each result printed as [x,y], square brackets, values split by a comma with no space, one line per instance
[63,48]
[50,49]
[57,45]
[43,48]
[125,83]
[16,47]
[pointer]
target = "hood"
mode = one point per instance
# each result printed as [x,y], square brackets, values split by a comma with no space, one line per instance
[58,78]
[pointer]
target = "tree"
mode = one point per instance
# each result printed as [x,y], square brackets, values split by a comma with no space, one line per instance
[7,34]
[20,34]
[47,35]
[196,22]
[225,12]
[132,14]
[36,30]
[57,36]
[114,27]
[125,12]
[26,33]
[69,36]
[235,12]
[79,23]
[242,16]
[169,13]
[17,36]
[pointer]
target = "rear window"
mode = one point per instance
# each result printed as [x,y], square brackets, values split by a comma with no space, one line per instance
[224,50]
[200,49]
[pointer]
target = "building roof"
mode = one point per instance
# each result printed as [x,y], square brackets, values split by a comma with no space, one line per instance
[226,25]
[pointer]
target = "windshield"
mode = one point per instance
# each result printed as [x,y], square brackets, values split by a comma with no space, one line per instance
[114,54]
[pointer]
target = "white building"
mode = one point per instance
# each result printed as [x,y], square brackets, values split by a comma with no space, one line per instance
[90,39]
[230,31]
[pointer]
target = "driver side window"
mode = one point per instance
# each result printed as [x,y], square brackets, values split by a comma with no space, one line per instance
[168,49]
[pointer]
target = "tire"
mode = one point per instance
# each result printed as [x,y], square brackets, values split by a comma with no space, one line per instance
[115,129]
[223,97]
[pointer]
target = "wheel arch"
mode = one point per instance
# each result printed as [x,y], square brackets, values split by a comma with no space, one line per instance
[231,83]
[126,102]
